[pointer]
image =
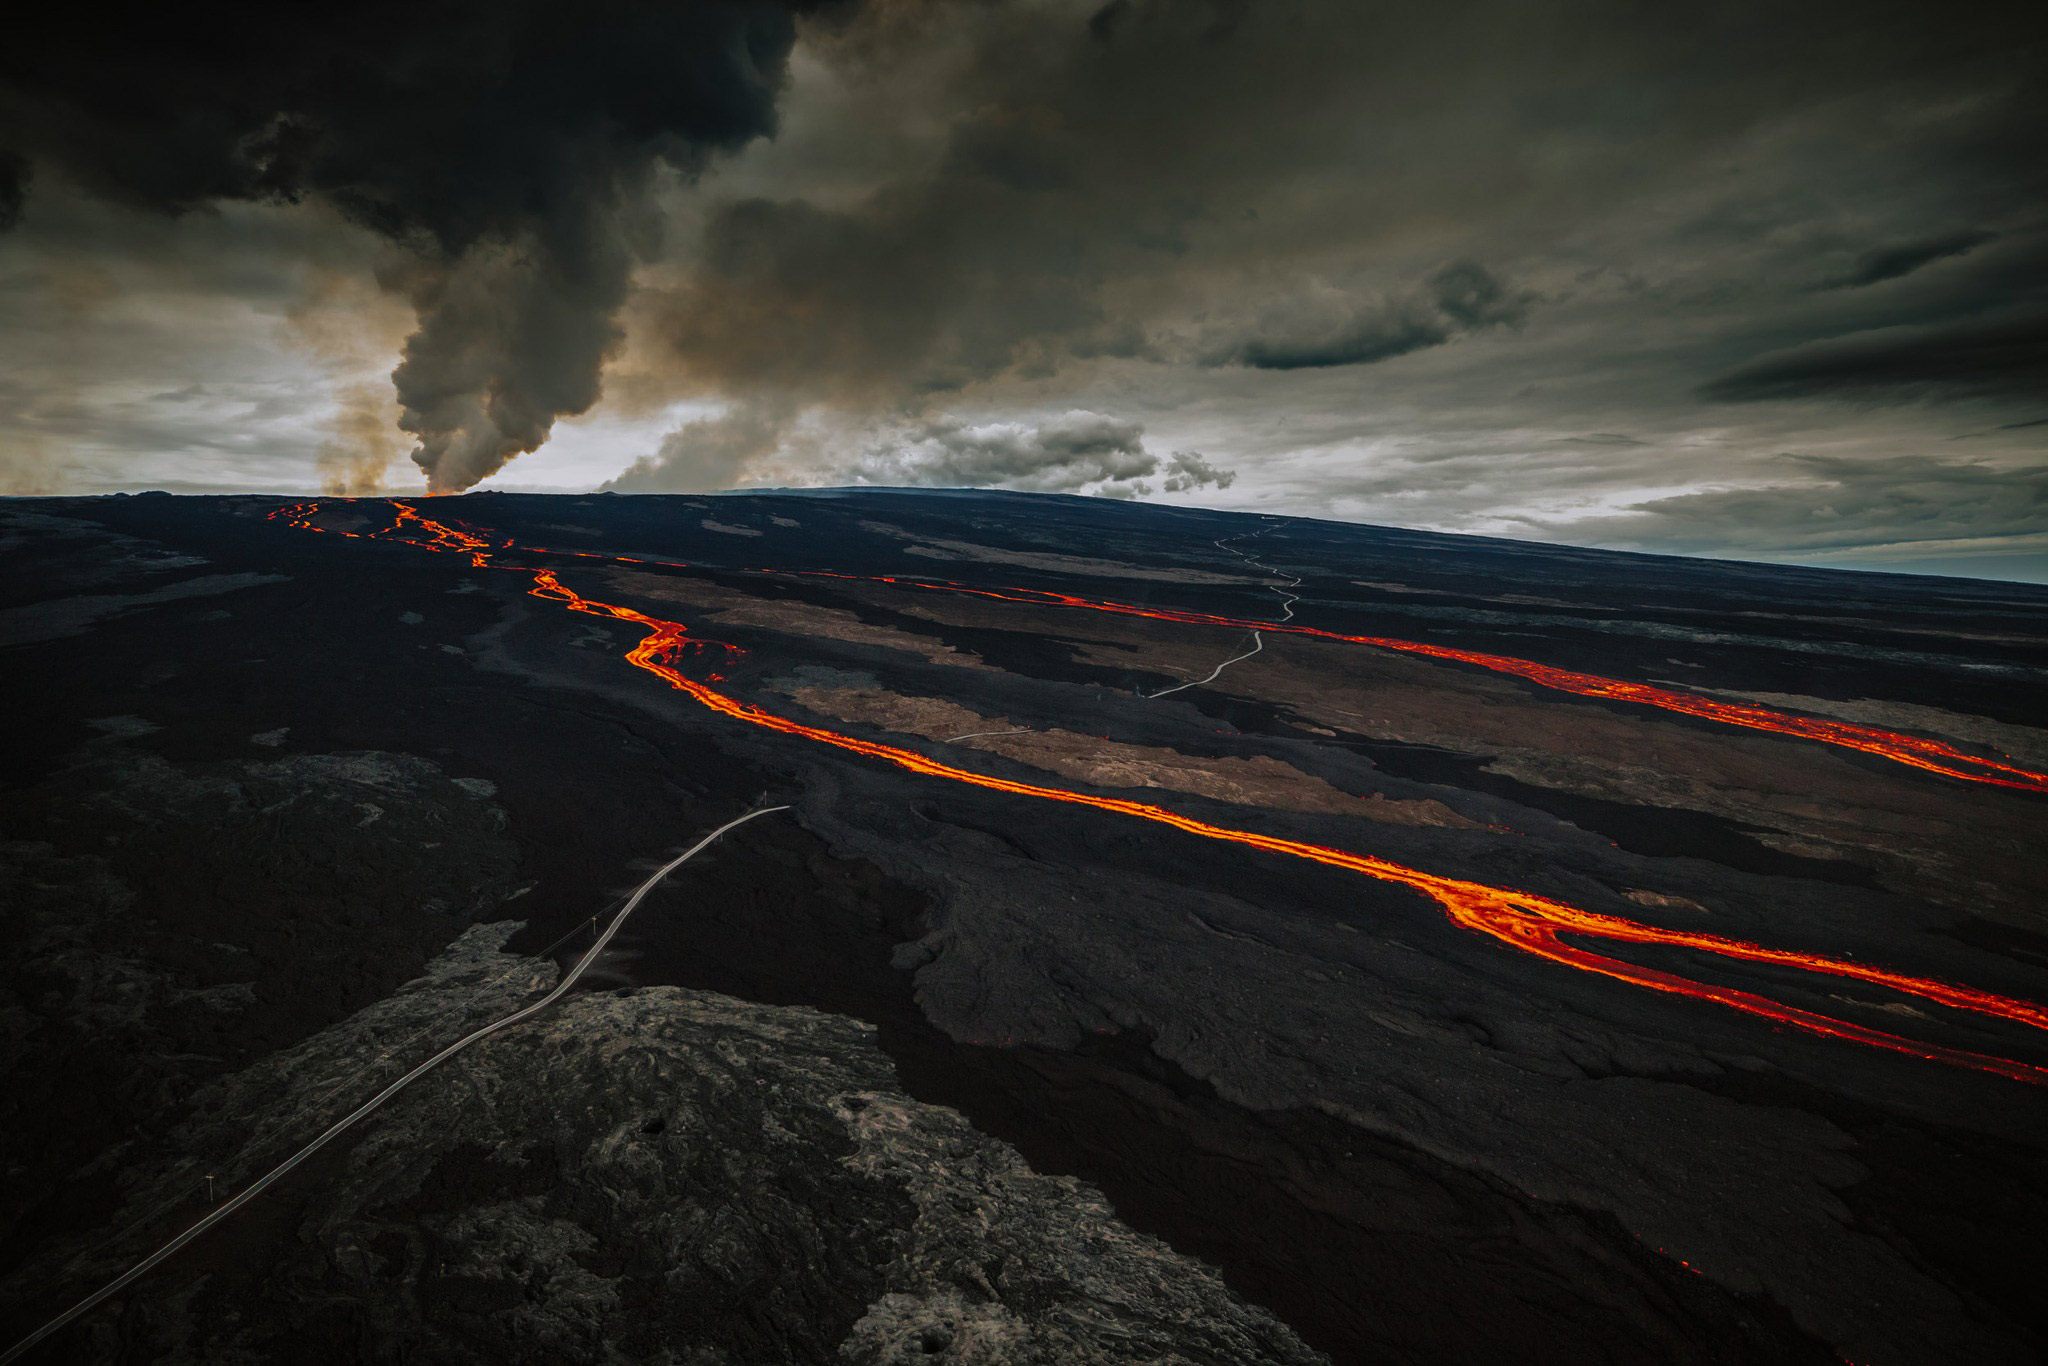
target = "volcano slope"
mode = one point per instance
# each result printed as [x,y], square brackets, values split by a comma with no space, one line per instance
[1511,953]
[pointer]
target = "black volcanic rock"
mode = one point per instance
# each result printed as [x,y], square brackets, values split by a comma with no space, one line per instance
[1406,1140]
[171,921]
[652,1175]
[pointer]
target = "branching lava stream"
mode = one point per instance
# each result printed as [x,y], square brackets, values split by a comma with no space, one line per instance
[1533,924]
[1915,751]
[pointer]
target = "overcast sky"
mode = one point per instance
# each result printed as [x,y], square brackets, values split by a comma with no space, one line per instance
[1756,280]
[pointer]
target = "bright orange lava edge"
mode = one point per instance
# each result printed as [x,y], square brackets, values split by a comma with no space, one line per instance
[1531,923]
[1915,751]
[1922,752]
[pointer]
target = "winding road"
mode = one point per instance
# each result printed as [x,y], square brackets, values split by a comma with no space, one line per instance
[1258,641]
[355,1116]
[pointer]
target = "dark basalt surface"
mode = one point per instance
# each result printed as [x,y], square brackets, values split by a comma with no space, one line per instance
[653,1175]
[1401,1141]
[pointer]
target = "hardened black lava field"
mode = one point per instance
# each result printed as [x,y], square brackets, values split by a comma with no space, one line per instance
[1194,936]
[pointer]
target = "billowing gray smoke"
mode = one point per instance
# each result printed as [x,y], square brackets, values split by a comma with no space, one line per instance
[507,146]
[512,335]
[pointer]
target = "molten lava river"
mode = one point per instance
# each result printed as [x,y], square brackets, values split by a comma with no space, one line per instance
[1538,925]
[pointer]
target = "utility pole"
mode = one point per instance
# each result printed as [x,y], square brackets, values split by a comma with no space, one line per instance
[209,1188]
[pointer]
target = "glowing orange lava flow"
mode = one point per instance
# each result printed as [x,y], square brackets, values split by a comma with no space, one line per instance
[1531,923]
[1934,756]
[1914,751]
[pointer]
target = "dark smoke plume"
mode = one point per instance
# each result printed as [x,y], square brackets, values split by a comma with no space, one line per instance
[506,145]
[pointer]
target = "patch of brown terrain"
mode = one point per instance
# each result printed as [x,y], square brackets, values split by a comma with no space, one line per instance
[1665,901]
[1956,844]
[1953,843]
[1258,781]
[731,607]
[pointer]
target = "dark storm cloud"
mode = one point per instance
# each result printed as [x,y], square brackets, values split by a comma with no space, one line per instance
[13,187]
[1900,259]
[1227,222]
[1375,336]
[988,255]
[1232,223]
[2006,359]
[1462,297]
[1833,505]
[1144,179]
[883,303]
[506,145]
[1210,19]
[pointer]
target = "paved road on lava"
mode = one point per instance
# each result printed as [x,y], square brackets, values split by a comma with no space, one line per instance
[340,1126]
[1258,640]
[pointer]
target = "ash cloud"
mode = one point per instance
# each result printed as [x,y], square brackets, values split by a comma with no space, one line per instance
[507,147]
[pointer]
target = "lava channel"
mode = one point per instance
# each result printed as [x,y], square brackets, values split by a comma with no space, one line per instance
[1915,751]
[1533,924]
